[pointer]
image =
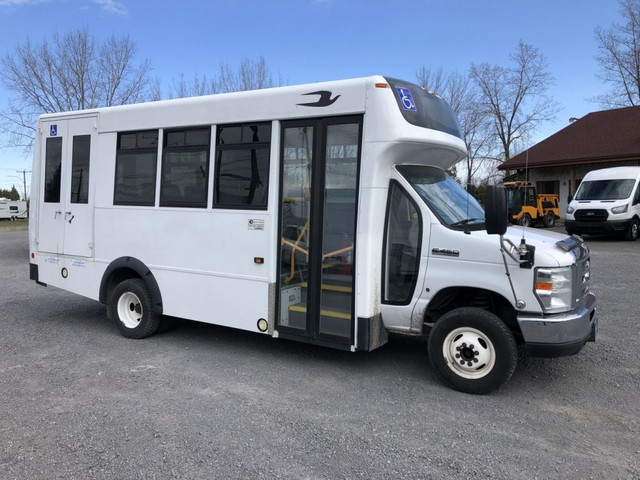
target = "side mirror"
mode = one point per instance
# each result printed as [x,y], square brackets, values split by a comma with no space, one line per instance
[569,198]
[495,213]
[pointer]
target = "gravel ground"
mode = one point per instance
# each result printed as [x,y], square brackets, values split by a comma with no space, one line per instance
[79,401]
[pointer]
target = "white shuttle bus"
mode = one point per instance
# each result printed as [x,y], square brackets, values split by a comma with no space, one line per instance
[319,213]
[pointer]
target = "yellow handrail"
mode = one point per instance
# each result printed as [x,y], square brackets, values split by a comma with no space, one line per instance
[296,247]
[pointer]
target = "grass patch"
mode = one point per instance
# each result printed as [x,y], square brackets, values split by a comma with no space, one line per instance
[20,224]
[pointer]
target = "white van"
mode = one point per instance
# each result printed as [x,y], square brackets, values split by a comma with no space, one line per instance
[607,201]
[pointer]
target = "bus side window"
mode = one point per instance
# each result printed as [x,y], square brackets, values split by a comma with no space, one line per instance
[242,166]
[185,168]
[136,163]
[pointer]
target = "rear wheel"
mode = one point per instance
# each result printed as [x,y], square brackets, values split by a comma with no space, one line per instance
[525,220]
[632,231]
[472,350]
[131,309]
[549,220]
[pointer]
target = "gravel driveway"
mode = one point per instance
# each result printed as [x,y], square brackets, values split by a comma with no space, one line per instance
[79,401]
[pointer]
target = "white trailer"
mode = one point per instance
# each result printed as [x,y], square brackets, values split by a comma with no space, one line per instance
[319,213]
[12,209]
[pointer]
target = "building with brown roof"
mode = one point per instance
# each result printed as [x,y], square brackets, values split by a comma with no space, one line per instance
[609,138]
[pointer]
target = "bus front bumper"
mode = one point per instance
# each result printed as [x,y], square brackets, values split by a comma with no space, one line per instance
[560,335]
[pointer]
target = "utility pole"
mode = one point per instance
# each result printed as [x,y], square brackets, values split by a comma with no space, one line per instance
[24,182]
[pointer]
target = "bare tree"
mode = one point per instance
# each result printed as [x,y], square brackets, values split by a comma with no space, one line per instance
[198,85]
[72,72]
[250,75]
[515,97]
[433,81]
[463,97]
[619,58]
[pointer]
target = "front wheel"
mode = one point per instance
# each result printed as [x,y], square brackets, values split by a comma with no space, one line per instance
[131,308]
[632,232]
[472,350]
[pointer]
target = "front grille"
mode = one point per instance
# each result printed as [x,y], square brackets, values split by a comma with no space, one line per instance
[591,215]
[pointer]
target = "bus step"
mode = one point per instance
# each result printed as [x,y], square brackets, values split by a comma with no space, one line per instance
[323,312]
[332,288]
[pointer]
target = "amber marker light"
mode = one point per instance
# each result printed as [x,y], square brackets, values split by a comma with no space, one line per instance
[382,85]
[544,286]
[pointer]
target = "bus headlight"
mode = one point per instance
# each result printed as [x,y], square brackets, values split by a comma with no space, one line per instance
[621,209]
[554,288]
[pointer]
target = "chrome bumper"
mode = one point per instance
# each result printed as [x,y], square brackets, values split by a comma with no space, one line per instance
[560,335]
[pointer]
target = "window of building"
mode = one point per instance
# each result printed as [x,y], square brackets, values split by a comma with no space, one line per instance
[136,159]
[242,166]
[549,186]
[185,168]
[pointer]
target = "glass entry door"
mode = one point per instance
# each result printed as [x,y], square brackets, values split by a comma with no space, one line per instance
[319,168]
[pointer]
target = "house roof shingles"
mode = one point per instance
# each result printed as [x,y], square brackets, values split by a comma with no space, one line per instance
[599,137]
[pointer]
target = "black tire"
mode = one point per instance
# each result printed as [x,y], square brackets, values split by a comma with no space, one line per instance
[632,231]
[525,220]
[131,309]
[472,350]
[549,220]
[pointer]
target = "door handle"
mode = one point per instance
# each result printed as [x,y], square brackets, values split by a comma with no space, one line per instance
[66,216]
[58,212]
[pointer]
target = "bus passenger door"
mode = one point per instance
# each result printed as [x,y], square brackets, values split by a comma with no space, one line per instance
[66,210]
[319,172]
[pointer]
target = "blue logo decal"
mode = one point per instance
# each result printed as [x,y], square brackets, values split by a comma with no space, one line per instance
[53,130]
[406,99]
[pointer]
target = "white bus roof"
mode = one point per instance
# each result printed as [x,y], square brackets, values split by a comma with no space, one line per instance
[254,105]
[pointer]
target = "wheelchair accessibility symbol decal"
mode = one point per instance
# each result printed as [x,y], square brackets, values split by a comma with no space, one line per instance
[406,99]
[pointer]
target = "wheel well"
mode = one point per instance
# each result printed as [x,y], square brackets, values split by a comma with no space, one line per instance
[125,268]
[455,297]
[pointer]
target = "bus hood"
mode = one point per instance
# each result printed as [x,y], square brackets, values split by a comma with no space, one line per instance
[551,247]
[479,246]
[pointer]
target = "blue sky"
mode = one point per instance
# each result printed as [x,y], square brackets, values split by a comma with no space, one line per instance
[313,40]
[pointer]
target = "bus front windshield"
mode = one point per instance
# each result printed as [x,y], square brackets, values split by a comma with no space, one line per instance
[453,206]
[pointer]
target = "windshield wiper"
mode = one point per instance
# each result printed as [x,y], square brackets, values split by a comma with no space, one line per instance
[466,221]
